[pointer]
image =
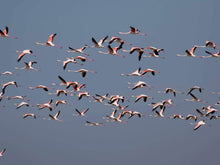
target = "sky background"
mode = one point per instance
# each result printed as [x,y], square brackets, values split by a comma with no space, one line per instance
[172,25]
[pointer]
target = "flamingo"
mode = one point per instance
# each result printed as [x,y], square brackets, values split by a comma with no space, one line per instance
[5,33]
[142,96]
[135,113]
[80,50]
[99,44]
[190,53]
[61,91]
[8,73]
[200,113]
[60,102]
[158,104]
[67,84]
[195,88]
[133,31]
[210,44]
[67,61]
[117,39]
[152,55]
[83,94]
[118,119]
[112,116]
[29,114]
[101,98]
[112,51]
[45,88]
[83,59]
[117,97]
[7,84]
[24,52]
[214,117]
[201,122]
[195,99]
[28,66]
[50,41]
[139,50]
[155,50]
[22,104]
[178,116]
[82,113]
[139,84]
[55,117]
[160,113]
[213,54]
[149,70]
[2,152]
[193,117]
[135,73]
[94,123]
[77,88]
[41,106]
[171,90]
[18,97]
[83,71]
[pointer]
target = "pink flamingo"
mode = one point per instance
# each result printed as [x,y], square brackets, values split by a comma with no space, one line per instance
[41,106]
[55,117]
[80,50]
[8,73]
[83,71]
[83,59]
[94,123]
[112,51]
[24,52]
[155,50]
[45,88]
[99,44]
[149,70]
[135,73]
[117,39]
[29,114]
[142,96]
[22,104]
[7,84]
[2,152]
[216,55]
[28,66]
[190,53]
[200,123]
[5,33]
[133,31]
[50,41]
[82,113]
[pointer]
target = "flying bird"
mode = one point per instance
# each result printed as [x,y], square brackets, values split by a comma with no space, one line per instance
[23,53]
[7,84]
[80,50]
[2,152]
[50,41]
[29,114]
[99,44]
[200,123]
[82,113]
[28,66]
[5,33]
[83,71]
[112,51]
[133,31]
[55,117]
[41,106]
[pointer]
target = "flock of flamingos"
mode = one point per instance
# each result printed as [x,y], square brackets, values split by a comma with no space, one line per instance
[115,102]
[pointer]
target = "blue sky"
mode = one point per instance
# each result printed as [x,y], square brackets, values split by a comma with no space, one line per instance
[172,25]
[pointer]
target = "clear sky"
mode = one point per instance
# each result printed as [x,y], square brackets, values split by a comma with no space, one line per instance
[172,25]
